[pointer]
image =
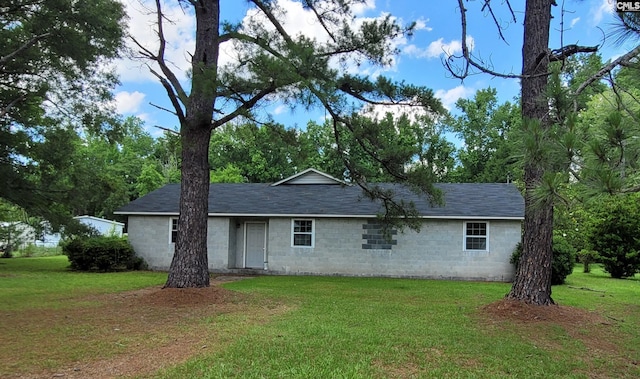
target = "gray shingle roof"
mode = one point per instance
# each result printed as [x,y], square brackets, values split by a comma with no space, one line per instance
[468,200]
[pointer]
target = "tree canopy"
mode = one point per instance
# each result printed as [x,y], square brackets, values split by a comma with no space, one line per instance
[51,84]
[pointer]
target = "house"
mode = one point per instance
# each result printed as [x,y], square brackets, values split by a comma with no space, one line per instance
[312,223]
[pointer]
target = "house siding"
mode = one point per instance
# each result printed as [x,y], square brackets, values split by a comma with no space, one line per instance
[437,251]
[150,238]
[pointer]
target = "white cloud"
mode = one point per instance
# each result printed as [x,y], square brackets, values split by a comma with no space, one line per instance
[603,8]
[449,97]
[438,48]
[280,109]
[178,28]
[128,102]
[575,21]
[361,8]
[421,24]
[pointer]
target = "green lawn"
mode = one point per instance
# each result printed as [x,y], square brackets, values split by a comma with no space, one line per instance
[334,327]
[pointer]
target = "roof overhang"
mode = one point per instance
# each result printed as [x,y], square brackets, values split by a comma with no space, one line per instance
[297,215]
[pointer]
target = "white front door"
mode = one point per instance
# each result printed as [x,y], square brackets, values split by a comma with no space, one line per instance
[255,244]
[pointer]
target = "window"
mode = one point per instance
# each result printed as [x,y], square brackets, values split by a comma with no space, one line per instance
[174,230]
[302,235]
[476,236]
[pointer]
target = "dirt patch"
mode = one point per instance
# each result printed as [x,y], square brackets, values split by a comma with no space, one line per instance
[557,314]
[127,334]
[539,323]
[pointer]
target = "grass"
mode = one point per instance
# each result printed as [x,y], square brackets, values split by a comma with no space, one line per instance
[333,327]
[46,282]
[364,328]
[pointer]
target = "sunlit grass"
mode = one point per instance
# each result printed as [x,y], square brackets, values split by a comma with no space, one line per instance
[45,282]
[336,327]
[363,328]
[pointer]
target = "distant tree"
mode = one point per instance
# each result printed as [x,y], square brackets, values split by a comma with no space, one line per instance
[488,131]
[271,63]
[51,82]
[105,174]
[614,234]
[149,180]
[261,153]
[228,174]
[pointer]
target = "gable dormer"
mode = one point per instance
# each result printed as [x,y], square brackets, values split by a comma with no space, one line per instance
[310,176]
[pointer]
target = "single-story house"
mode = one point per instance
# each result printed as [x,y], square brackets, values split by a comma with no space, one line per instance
[314,224]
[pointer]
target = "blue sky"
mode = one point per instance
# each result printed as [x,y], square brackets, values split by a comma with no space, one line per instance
[583,22]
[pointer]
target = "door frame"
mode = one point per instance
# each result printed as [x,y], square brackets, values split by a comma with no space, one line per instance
[264,243]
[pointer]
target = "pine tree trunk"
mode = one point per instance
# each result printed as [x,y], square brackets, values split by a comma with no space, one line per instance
[190,267]
[532,283]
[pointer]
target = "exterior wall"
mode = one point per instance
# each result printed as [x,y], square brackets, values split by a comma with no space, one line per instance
[150,237]
[218,242]
[436,252]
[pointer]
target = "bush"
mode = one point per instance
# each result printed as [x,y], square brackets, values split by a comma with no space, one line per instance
[102,253]
[564,258]
[562,263]
[614,235]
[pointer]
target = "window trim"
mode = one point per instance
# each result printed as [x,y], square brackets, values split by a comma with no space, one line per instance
[464,236]
[171,230]
[313,233]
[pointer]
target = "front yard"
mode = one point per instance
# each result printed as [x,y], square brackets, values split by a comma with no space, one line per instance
[75,325]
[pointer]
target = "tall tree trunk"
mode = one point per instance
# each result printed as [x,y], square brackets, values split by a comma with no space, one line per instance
[532,283]
[190,267]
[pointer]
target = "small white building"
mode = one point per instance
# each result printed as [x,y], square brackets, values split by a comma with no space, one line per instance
[26,235]
[103,226]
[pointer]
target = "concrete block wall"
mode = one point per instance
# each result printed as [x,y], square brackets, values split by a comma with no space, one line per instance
[150,237]
[437,251]
[218,242]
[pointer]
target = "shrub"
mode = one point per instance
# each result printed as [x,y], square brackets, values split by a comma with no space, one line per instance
[614,235]
[562,263]
[102,253]
[564,258]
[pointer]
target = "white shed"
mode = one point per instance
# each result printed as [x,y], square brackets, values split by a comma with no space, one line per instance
[103,226]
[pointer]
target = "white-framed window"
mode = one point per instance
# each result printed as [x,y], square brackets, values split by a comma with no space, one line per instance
[302,232]
[476,236]
[173,230]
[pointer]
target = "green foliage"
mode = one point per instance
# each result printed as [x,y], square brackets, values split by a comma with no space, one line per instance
[102,253]
[487,128]
[55,52]
[228,174]
[615,234]
[564,258]
[587,257]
